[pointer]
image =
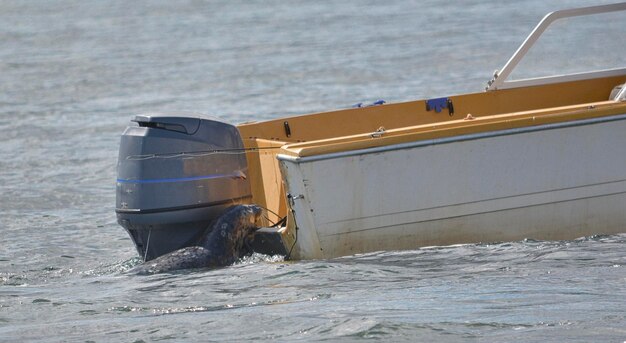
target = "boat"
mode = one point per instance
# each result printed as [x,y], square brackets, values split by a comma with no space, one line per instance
[539,158]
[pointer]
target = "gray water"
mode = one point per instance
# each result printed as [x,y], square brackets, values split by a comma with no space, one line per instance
[72,74]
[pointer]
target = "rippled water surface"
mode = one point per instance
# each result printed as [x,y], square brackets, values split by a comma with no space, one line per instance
[72,73]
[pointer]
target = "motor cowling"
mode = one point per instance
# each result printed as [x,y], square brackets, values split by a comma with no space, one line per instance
[175,175]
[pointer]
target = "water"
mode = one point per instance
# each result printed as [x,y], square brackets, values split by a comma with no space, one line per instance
[72,73]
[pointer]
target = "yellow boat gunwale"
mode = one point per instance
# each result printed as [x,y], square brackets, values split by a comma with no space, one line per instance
[454,128]
[350,129]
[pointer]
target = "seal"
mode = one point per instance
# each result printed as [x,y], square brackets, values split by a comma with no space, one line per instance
[221,247]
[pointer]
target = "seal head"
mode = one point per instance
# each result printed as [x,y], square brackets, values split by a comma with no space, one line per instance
[229,234]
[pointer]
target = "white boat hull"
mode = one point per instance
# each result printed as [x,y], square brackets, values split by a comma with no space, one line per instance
[549,182]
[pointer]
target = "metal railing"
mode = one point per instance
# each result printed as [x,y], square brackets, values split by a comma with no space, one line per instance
[499,78]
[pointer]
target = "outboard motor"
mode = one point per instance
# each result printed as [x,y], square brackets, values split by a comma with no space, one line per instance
[175,175]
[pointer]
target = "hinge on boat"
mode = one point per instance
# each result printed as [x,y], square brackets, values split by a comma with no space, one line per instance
[378,133]
[292,198]
[493,79]
[287,129]
[438,104]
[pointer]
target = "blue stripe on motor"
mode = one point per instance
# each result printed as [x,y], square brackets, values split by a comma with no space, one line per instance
[181,179]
